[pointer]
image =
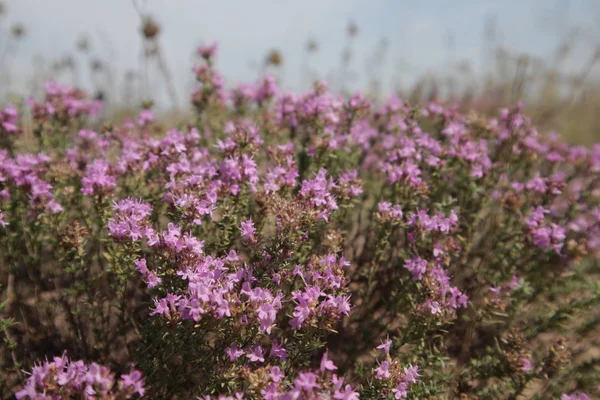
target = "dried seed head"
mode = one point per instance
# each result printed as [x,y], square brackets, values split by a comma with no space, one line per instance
[257,379]
[82,44]
[97,65]
[431,286]
[74,236]
[18,31]
[577,249]
[516,340]
[274,57]
[558,358]
[511,201]
[147,104]
[514,360]
[333,240]
[352,29]
[150,28]
[130,75]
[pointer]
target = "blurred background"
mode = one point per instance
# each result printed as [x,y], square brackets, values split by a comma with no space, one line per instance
[478,54]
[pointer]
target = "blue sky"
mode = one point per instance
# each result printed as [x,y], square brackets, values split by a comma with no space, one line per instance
[417,32]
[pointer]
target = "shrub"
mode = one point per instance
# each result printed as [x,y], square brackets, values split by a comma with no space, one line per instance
[286,246]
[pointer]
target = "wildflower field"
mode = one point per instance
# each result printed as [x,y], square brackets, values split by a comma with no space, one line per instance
[294,246]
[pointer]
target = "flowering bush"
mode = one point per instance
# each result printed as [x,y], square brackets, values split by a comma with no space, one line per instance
[62,378]
[286,246]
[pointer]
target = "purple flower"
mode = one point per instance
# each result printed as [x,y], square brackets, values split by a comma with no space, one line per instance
[384,207]
[208,51]
[496,291]
[417,266]
[266,316]
[131,220]
[306,381]
[278,351]
[247,229]
[276,374]
[385,345]
[433,306]
[383,370]
[526,364]
[411,373]
[2,221]
[234,352]
[400,391]
[514,283]
[97,178]
[75,379]
[152,280]
[134,380]
[145,117]
[575,396]
[256,354]
[347,394]
[327,364]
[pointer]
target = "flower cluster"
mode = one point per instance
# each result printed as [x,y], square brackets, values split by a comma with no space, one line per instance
[97,178]
[391,374]
[64,101]
[575,396]
[8,119]
[63,378]
[238,254]
[26,172]
[131,221]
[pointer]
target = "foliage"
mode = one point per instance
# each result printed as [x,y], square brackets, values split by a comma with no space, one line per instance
[295,246]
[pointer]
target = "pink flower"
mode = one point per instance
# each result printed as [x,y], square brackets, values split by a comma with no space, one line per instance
[383,370]
[145,117]
[256,354]
[278,351]
[385,345]
[400,391]
[247,229]
[276,374]
[514,283]
[327,364]
[234,352]
[135,381]
[306,381]
[575,396]
[526,364]
[208,51]
[496,291]
[347,394]
[417,266]
[411,373]
[434,306]
[2,221]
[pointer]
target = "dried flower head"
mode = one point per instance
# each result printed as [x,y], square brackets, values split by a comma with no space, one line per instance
[150,28]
